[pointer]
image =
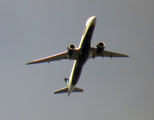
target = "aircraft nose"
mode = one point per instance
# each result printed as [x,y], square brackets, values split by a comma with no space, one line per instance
[91,20]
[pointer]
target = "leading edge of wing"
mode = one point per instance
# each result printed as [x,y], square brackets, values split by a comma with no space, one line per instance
[59,56]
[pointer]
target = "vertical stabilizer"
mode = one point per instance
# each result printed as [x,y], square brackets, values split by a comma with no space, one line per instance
[66,80]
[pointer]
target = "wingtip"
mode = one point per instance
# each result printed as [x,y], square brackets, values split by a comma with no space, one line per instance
[127,55]
[124,55]
[29,63]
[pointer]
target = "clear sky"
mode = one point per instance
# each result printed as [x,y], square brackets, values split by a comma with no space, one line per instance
[114,89]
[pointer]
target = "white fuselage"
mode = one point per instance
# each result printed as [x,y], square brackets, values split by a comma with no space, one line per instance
[80,55]
[84,47]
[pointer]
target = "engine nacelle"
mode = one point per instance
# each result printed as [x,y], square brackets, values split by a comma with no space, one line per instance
[71,49]
[100,47]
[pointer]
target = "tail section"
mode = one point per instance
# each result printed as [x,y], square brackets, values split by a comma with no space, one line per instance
[76,89]
[66,80]
[65,90]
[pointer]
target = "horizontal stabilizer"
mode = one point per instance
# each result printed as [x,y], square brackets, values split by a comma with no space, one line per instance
[65,90]
[76,89]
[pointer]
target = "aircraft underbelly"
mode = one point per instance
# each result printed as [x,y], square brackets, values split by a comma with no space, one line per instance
[83,56]
[76,75]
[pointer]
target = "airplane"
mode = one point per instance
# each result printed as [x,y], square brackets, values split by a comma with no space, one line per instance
[80,55]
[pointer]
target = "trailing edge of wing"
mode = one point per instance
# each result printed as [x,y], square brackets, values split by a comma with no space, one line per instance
[59,56]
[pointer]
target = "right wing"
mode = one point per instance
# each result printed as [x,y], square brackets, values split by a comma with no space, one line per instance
[105,53]
[113,54]
[59,56]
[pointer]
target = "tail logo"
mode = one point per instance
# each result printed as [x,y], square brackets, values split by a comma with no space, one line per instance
[66,80]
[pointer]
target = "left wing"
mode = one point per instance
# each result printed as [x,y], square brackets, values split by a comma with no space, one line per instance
[59,56]
[105,53]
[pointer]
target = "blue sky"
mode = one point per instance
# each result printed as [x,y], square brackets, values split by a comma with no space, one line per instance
[114,89]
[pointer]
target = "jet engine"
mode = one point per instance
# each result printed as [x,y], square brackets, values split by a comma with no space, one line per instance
[100,47]
[71,49]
